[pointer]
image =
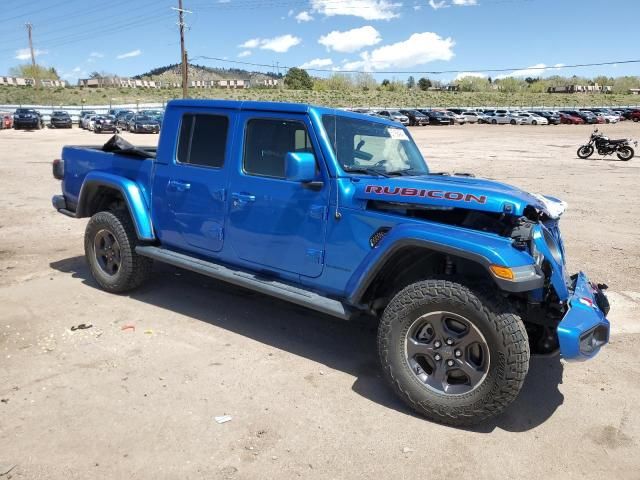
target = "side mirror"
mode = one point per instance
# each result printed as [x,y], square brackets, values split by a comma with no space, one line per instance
[300,167]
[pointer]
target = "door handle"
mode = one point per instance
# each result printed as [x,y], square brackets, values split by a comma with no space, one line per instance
[178,186]
[242,198]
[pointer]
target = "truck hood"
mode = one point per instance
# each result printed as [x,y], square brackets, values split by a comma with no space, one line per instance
[451,191]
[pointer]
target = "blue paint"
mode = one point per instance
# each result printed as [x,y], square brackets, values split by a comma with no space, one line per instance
[312,225]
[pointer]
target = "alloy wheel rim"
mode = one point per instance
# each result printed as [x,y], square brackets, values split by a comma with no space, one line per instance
[107,252]
[447,353]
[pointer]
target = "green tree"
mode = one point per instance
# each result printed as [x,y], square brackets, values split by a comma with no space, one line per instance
[385,82]
[510,85]
[298,79]
[28,71]
[340,81]
[472,83]
[365,81]
[411,83]
[424,84]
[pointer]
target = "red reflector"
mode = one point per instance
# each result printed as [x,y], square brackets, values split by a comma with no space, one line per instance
[586,301]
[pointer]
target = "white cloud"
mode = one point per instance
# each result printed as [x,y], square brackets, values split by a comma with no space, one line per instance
[131,54]
[351,40]
[253,43]
[470,74]
[25,53]
[279,44]
[96,55]
[304,17]
[532,71]
[420,48]
[367,9]
[317,63]
[244,53]
[438,4]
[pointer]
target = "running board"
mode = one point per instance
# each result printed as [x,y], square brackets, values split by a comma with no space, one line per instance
[248,280]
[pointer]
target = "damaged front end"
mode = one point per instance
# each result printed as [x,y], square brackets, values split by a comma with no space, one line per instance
[569,312]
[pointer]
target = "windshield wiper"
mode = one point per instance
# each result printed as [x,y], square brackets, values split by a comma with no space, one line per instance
[406,172]
[370,171]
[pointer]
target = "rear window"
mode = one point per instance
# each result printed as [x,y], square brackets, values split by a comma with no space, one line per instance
[203,140]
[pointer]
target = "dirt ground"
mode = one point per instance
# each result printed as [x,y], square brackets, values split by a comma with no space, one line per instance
[304,390]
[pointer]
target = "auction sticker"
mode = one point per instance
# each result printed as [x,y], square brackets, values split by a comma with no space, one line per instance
[397,134]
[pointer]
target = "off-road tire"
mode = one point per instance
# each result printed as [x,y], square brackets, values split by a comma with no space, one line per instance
[627,157]
[496,319]
[585,151]
[134,269]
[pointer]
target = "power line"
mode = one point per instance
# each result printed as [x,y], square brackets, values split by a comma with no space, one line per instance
[427,72]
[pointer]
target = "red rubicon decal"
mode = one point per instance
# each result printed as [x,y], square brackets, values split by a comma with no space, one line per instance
[415,192]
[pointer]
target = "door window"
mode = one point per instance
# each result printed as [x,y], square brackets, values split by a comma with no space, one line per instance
[203,140]
[267,142]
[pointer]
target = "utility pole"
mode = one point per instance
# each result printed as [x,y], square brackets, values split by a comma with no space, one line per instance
[33,56]
[183,52]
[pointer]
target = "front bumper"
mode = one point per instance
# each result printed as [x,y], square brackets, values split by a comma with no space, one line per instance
[584,329]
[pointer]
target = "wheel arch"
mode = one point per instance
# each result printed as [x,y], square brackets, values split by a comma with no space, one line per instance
[408,253]
[102,191]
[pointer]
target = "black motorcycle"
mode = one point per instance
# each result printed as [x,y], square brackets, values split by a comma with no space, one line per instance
[606,146]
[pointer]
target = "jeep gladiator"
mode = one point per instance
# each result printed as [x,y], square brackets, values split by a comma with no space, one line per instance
[338,212]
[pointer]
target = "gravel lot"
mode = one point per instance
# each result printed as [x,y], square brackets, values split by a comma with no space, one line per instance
[303,389]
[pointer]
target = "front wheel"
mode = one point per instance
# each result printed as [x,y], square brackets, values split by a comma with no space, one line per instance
[109,244]
[513,122]
[625,153]
[585,151]
[534,122]
[451,354]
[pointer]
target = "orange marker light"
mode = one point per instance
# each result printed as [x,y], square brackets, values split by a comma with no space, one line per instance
[502,272]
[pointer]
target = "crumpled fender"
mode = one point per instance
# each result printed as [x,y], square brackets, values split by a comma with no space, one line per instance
[483,248]
[131,192]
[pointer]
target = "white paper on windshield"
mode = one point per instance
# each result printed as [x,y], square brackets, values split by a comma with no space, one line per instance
[397,134]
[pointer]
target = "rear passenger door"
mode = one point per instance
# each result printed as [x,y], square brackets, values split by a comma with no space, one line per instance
[190,189]
[276,223]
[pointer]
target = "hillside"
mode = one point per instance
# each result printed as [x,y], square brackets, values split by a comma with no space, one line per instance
[172,73]
[333,98]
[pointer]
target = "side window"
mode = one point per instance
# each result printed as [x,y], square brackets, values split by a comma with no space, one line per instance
[267,142]
[203,140]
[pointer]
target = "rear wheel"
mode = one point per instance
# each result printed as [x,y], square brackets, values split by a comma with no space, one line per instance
[494,121]
[513,122]
[585,151]
[534,122]
[625,153]
[453,355]
[109,243]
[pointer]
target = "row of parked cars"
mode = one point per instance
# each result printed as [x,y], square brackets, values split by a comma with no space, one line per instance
[460,116]
[145,121]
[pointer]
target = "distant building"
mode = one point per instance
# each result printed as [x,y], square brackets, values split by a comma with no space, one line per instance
[634,91]
[581,89]
[22,82]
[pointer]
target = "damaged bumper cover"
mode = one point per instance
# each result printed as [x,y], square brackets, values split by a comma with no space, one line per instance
[584,329]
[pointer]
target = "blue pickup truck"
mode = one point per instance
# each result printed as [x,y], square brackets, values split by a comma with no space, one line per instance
[338,212]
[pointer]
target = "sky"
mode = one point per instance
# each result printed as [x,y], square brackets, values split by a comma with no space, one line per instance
[385,37]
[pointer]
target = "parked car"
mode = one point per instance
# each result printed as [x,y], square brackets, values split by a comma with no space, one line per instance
[416,118]
[83,114]
[143,124]
[105,123]
[395,116]
[469,116]
[505,119]
[90,122]
[123,118]
[568,119]
[484,117]
[6,120]
[635,116]
[60,119]
[455,118]
[552,117]
[588,117]
[437,117]
[453,276]
[27,118]
[527,118]
[629,113]
[609,116]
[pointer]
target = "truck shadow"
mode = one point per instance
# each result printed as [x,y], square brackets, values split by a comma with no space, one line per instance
[346,346]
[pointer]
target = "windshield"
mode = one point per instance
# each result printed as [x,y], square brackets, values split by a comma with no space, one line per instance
[361,145]
[143,118]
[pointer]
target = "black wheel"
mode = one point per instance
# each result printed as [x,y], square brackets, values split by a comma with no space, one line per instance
[585,151]
[494,121]
[109,245]
[513,122]
[534,122]
[636,119]
[453,355]
[625,153]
